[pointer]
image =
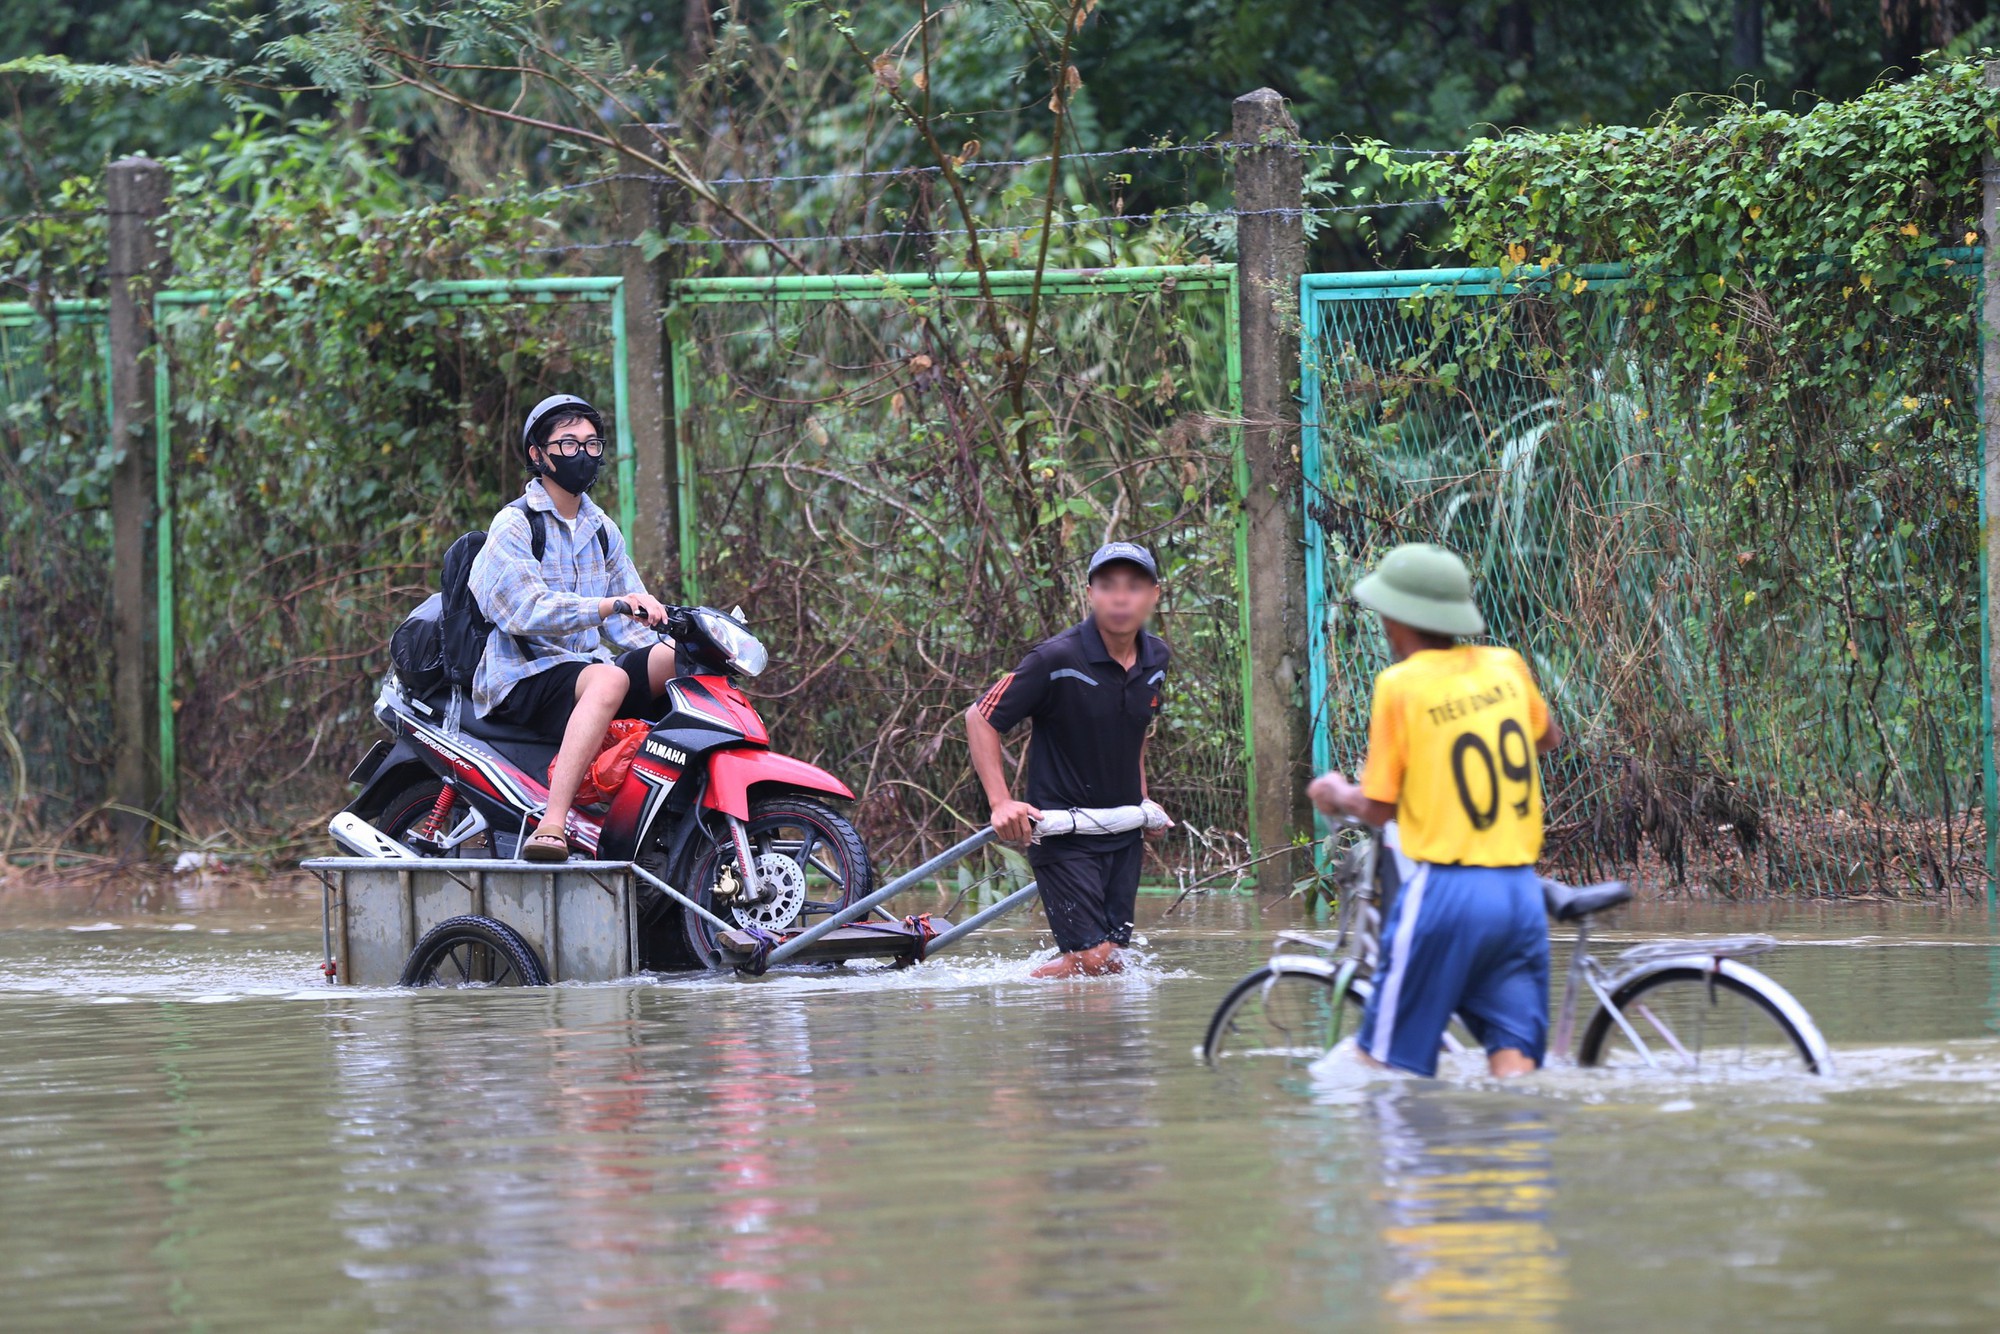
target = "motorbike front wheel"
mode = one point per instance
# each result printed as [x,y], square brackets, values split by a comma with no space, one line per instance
[806,852]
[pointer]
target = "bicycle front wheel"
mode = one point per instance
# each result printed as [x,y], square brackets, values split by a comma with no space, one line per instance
[1725,1020]
[1288,1015]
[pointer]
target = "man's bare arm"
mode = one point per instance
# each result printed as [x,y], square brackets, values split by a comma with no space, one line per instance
[1332,794]
[1551,739]
[1013,819]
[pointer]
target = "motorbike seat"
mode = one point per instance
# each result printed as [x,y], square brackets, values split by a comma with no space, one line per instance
[488,730]
[528,750]
[1568,903]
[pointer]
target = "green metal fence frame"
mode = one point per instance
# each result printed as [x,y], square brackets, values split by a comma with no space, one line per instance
[687,292]
[1001,282]
[1316,289]
[484,291]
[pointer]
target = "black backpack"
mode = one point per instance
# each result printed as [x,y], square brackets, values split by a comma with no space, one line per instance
[442,641]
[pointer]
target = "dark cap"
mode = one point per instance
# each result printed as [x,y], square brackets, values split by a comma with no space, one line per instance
[1113,552]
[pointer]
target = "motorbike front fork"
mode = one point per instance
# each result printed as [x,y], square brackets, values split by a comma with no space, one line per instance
[746,862]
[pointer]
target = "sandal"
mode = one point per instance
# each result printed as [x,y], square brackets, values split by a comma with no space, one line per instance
[545,847]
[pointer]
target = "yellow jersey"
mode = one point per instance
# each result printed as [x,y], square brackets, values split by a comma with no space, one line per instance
[1451,744]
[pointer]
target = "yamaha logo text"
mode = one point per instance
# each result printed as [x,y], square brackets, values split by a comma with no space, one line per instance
[668,753]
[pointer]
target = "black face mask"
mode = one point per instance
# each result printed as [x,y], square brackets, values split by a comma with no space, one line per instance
[574,474]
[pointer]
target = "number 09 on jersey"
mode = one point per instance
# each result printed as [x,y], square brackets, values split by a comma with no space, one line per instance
[1451,744]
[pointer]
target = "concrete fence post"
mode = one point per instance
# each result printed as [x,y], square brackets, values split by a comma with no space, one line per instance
[1989,491]
[651,205]
[135,190]
[1270,258]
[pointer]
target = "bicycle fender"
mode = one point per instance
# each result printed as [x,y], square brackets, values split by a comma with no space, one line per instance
[1781,1000]
[1299,963]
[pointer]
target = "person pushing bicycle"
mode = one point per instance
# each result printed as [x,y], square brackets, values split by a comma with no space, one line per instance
[1453,735]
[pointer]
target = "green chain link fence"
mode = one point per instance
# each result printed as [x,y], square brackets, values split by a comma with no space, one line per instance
[837,477]
[856,474]
[1767,653]
[308,484]
[55,560]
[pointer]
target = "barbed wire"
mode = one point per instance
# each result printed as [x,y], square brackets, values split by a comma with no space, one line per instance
[44,215]
[1005,228]
[981,164]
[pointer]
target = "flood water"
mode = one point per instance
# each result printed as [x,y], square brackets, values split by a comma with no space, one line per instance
[198,1133]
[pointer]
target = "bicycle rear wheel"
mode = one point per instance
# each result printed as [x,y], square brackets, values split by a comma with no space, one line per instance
[1729,1021]
[1283,1015]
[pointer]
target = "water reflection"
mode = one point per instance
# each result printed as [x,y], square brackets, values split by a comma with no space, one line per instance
[1467,1189]
[1091,1201]
[674,1160]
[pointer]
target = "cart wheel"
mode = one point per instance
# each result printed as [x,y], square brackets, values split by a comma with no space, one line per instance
[473,952]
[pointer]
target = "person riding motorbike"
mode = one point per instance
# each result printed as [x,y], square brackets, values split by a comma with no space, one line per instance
[544,667]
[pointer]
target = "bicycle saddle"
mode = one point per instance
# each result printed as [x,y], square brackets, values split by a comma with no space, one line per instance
[1566,903]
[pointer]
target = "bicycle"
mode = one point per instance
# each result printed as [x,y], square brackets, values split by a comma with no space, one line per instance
[1703,1009]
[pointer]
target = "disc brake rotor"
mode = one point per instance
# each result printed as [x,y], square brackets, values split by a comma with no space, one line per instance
[785,881]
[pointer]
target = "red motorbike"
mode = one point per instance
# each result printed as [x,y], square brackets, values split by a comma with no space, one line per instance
[708,806]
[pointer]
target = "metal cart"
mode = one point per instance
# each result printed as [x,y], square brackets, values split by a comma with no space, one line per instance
[415,921]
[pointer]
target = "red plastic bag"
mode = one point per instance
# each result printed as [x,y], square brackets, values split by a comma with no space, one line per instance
[614,760]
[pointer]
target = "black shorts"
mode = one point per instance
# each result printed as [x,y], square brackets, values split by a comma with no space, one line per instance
[545,700]
[1089,896]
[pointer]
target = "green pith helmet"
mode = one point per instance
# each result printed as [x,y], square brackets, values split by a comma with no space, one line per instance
[1426,588]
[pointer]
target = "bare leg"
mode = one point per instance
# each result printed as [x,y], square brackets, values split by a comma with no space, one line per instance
[659,668]
[1063,965]
[1102,959]
[1503,1064]
[1097,961]
[600,689]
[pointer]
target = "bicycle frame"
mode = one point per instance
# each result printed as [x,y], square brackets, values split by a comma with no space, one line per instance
[1586,971]
[1352,954]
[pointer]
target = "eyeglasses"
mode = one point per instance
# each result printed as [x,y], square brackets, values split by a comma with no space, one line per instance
[570,448]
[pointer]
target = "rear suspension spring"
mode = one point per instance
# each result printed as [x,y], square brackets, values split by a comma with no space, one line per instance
[434,822]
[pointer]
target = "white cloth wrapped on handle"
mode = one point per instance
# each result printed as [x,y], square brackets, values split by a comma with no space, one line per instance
[1100,820]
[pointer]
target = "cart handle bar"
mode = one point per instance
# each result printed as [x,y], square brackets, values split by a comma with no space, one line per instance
[946,939]
[680,898]
[863,906]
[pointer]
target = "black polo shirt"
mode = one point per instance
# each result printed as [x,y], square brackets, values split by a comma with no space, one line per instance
[1091,717]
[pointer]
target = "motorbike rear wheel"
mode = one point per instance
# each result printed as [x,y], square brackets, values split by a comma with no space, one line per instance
[789,836]
[405,812]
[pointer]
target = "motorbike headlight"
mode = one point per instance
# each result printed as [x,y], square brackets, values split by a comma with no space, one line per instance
[745,654]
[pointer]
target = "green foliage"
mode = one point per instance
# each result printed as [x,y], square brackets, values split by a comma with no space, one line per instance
[331,433]
[1417,74]
[1866,183]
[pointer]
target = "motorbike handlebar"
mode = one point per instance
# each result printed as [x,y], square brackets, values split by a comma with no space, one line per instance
[677,624]
[677,621]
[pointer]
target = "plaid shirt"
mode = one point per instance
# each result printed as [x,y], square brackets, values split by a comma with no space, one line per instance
[547,614]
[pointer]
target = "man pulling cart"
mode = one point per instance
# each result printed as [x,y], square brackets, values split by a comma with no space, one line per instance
[1093,692]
